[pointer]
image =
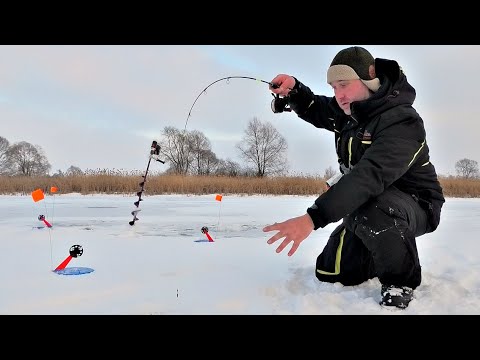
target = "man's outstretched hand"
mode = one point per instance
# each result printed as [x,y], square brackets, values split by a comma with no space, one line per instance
[293,230]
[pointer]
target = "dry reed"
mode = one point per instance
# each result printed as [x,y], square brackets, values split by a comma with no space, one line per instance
[158,184]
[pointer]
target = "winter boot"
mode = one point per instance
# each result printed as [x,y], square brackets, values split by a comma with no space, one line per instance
[399,296]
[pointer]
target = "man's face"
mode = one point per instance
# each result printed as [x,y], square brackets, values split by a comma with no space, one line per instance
[348,91]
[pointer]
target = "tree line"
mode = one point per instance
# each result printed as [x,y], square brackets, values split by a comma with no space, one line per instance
[262,148]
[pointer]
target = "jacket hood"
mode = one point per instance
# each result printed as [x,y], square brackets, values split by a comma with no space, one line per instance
[394,90]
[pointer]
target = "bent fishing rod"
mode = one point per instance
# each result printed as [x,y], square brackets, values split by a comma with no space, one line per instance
[278,103]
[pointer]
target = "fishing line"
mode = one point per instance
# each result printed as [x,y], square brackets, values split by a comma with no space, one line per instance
[228,81]
[49,236]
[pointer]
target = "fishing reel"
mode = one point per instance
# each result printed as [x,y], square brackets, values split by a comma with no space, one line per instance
[155,148]
[155,152]
[279,104]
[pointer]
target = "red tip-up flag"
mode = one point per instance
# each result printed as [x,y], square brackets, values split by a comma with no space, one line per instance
[37,195]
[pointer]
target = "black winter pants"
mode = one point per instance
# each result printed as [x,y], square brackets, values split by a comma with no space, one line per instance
[377,240]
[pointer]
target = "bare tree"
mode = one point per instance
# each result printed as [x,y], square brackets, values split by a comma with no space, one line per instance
[4,145]
[329,172]
[209,162]
[233,168]
[202,153]
[59,173]
[176,146]
[228,168]
[26,159]
[264,147]
[73,171]
[467,168]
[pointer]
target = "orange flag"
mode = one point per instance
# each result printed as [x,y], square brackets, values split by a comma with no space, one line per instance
[53,189]
[218,197]
[38,195]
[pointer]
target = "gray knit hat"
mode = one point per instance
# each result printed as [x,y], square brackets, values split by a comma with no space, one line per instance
[351,64]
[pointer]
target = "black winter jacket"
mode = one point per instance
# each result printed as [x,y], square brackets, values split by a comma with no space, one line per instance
[382,144]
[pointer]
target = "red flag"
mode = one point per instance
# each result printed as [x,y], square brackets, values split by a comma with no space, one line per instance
[38,195]
[218,197]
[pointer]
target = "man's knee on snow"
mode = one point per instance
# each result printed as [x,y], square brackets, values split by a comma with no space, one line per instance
[344,259]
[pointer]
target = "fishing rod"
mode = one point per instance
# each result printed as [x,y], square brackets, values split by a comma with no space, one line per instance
[275,101]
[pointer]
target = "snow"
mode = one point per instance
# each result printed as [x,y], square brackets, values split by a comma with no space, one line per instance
[164,264]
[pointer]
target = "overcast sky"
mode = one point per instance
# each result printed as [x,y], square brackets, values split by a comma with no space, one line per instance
[101,106]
